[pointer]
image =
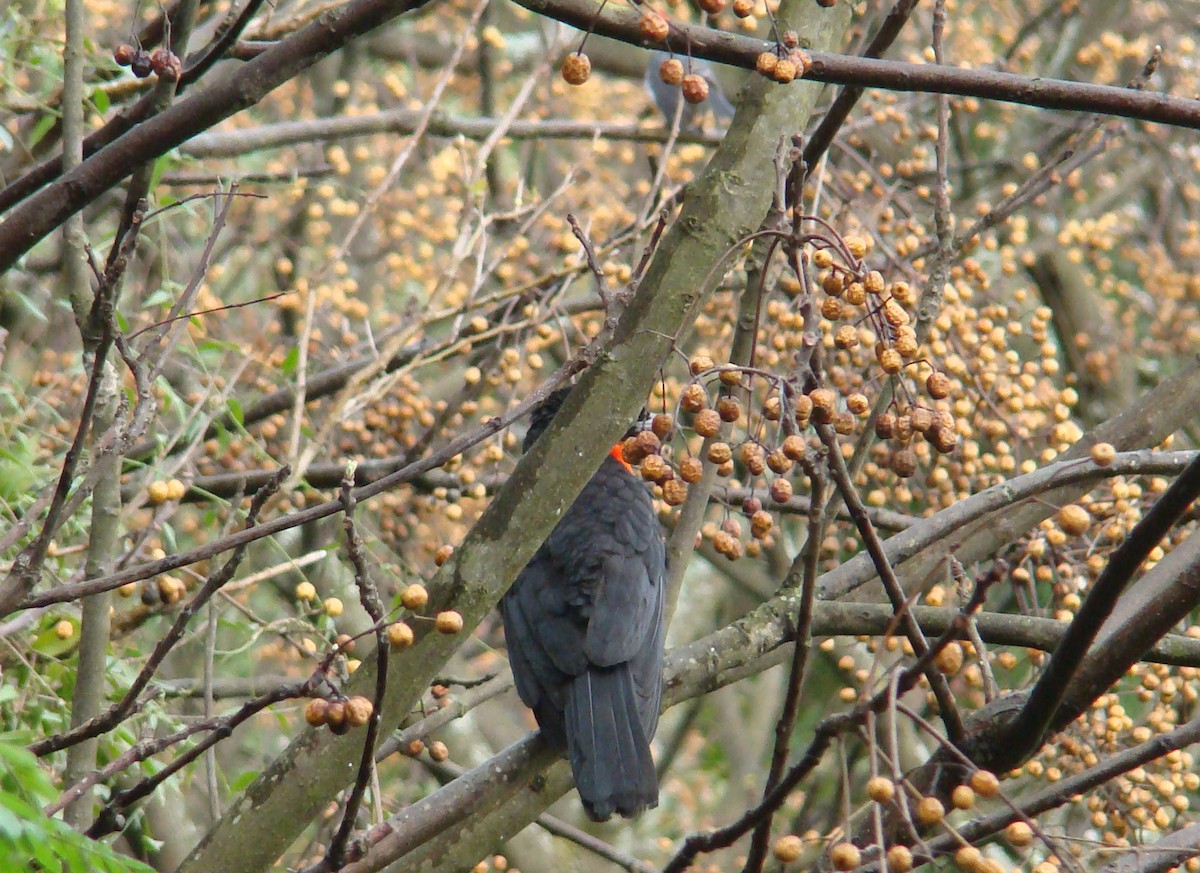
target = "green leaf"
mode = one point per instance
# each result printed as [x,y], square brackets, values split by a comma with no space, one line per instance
[43,127]
[160,167]
[291,360]
[100,101]
[236,413]
[241,783]
[170,542]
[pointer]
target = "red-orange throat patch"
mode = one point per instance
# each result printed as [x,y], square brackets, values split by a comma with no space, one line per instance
[617,455]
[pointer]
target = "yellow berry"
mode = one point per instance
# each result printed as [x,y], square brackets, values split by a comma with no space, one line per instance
[968,859]
[899,859]
[788,849]
[950,659]
[1019,833]
[845,856]
[448,622]
[1074,520]
[333,607]
[930,810]
[880,789]
[985,783]
[399,635]
[414,597]
[159,492]
[305,591]
[1103,454]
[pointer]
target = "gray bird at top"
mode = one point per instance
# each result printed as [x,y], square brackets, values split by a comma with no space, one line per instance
[667,97]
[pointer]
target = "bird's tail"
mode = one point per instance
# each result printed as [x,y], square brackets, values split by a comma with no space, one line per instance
[607,746]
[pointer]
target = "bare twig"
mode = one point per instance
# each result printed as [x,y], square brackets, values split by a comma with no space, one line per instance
[369,597]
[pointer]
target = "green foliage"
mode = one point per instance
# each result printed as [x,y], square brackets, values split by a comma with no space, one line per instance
[31,840]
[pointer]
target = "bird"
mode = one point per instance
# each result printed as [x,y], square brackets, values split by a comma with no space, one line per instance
[667,97]
[583,623]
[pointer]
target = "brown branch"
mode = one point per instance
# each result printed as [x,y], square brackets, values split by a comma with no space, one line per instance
[226,144]
[739,51]
[891,584]
[46,210]
[1047,695]
[42,212]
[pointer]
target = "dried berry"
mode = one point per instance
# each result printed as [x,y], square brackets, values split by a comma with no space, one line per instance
[779,461]
[707,423]
[674,492]
[316,711]
[653,26]
[576,68]
[903,462]
[795,447]
[694,398]
[690,470]
[358,711]
[140,65]
[985,783]
[937,385]
[123,54]
[720,453]
[784,72]
[165,63]
[654,469]
[899,859]
[648,442]
[695,88]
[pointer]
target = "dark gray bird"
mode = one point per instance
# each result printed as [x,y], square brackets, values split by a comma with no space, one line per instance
[667,97]
[584,628]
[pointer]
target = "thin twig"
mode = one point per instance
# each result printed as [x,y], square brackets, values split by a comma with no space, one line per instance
[368,596]
[937,682]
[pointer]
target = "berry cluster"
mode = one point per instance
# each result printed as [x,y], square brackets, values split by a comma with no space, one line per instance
[142,63]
